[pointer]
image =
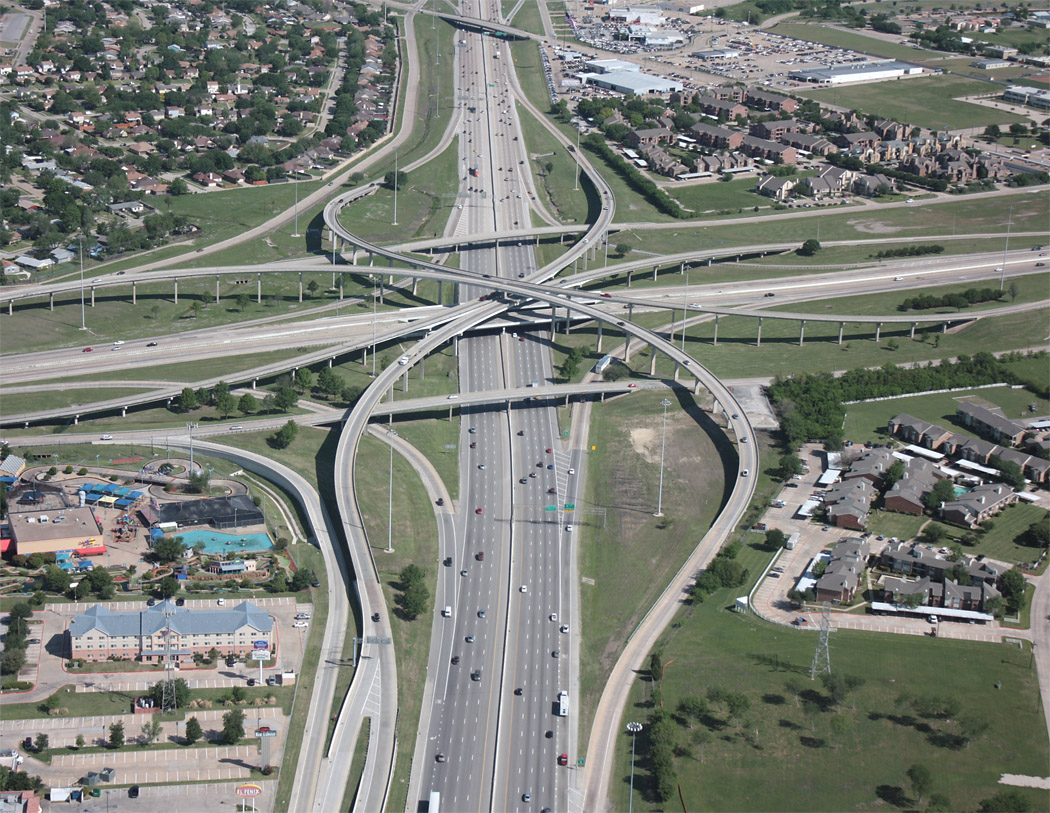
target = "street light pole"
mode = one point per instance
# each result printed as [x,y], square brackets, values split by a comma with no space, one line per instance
[663,445]
[373,326]
[634,728]
[1006,246]
[83,317]
[685,309]
[390,497]
[396,185]
[296,234]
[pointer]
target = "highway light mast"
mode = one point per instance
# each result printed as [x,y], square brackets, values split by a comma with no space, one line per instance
[83,317]
[390,495]
[663,445]
[1006,246]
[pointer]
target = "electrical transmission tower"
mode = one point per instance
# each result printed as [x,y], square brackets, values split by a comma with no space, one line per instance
[822,656]
[168,700]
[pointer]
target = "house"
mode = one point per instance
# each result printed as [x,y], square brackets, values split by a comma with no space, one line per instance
[764,100]
[915,560]
[872,466]
[165,630]
[771,150]
[976,450]
[849,141]
[208,179]
[870,185]
[128,207]
[907,494]
[720,138]
[777,188]
[774,130]
[838,584]
[919,432]
[846,504]
[719,108]
[991,423]
[977,505]
[648,138]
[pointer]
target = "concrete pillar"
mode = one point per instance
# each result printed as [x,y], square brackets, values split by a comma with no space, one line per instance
[842,327]
[51,301]
[415,285]
[216,289]
[255,382]
[440,300]
[630,311]
[455,346]
[709,261]
[364,356]
[10,307]
[123,412]
[258,289]
[342,278]
[652,360]
[598,349]
[628,279]
[878,330]
[76,420]
[758,342]
[300,287]
[176,291]
[716,330]
[801,332]
[371,259]
[330,363]
[655,269]
[404,381]
[944,327]
[911,335]
[93,296]
[134,293]
[676,367]
[626,348]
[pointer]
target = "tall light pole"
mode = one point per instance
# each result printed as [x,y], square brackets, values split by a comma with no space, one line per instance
[634,728]
[685,309]
[1002,271]
[578,158]
[83,317]
[396,185]
[390,497]
[191,427]
[296,233]
[373,325]
[663,445]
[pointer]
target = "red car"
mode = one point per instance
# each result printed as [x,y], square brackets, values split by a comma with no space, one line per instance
[549,450]
[478,511]
[87,349]
[563,759]
[607,296]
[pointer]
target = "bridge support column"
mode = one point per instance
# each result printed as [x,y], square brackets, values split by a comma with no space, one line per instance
[652,360]
[371,259]
[364,356]
[51,301]
[628,279]
[255,383]
[176,291]
[123,412]
[655,269]
[626,348]
[216,289]
[455,346]
[709,261]
[415,285]
[878,330]
[330,363]
[300,287]
[715,344]
[911,334]
[630,311]
[10,307]
[342,279]
[681,268]
[258,289]
[598,349]
[677,366]
[134,293]
[76,420]
[801,332]
[842,328]
[441,301]
[404,381]
[758,342]
[944,327]
[93,296]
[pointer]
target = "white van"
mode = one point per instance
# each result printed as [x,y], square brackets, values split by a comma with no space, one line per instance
[447,612]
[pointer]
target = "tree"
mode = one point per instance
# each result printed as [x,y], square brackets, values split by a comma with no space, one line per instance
[808,248]
[920,778]
[12,659]
[278,582]
[168,587]
[329,382]
[193,731]
[188,400]
[894,473]
[623,249]
[656,667]
[56,580]
[79,741]
[349,394]
[304,379]
[1013,289]
[285,398]
[40,743]
[196,307]
[943,491]
[972,726]
[415,599]
[168,549]
[312,287]
[1010,472]
[1038,533]
[22,610]
[939,803]
[776,538]
[790,465]
[1012,585]
[395,180]
[225,403]
[242,301]
[248,403]
[692,708]
[116,735]
[151,731]
[232,727]
[1006,801]
[284,436]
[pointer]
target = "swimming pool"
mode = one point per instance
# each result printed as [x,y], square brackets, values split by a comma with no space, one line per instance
[218,542]
[960,490]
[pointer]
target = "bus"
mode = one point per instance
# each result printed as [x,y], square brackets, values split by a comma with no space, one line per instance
[563,704]
[435,802]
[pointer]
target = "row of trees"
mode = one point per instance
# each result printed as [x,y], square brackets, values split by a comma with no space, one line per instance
[595,142]
[415,595]
[724,571]
[908,251]
[959,300]
[13,656]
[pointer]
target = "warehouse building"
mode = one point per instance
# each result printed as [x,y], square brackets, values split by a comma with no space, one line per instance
[223,513]
[44,519]
[851,74]
[632,82]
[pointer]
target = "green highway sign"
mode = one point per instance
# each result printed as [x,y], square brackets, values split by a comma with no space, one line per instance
[570,506]
[550,508]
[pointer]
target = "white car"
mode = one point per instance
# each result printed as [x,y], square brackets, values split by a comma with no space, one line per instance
[118,342]
[221,602]
[524,588]
[554,616]
[106,437]
[300,624]
[403,361]
[453,397]
[568,529]
[572,471]
[302,616]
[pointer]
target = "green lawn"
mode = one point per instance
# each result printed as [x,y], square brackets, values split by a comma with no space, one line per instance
[891,524]
[17,403]
[719,197]
[862,252]
[1003,537]
[622,476]
[558,186]
[787,753]
[931,102]
[856,41]
[433,437]
[867,422]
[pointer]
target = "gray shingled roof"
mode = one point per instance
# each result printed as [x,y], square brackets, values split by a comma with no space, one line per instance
[185,622]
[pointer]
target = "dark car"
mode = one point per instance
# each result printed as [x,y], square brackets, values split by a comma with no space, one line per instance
[251,681]
[552,490]
[375,617]
[151,602]
[231,661]
[448,561]
[180,602]
[440,500]
[151,344]
[133,792]
[315,582]
[455,659]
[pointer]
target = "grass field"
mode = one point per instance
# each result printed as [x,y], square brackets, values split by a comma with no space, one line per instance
[862,252]
[786,752]
[557,187]
[867,422]
[931,102]
[855,41]
[17,403]
[433,437]
[622,475]
[718,196]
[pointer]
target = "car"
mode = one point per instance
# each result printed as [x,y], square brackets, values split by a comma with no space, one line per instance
[118,342]
[563,759]
[479,511]
[221,602]
[455,660]
[106,437]
[770,294]
[473,430]
[743,439]
[521,433]
[251,681]
[631,386]
[745,473]
[549,450]
[550,467]
[469,639]
[375,618]
[152,602]
[88,350]
[473,444]
[553,616]
[270,681]
[564,628]
[114,348]
[695,305]
[897,279]
[453,397]
[555,653]
[440,500]
[552,490]
[798,622]
[133,792]
[300,624]
[619,324]
[440,757]
[526,796]
[315,582]
[462,573]
[480,556]
[532,474]
[403,360]
[549,734]
[302,616]
[523,480]
[735,416]
[481,613]
[481,466]
[518,692]
[34,640]
[180,602]
[1040,265]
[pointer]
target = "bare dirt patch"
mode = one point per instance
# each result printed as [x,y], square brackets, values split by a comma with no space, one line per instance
[874,227]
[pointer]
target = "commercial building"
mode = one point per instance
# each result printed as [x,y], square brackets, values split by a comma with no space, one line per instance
[43,519]
[220,512]
[863,72]
[632,82]
[100,634]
